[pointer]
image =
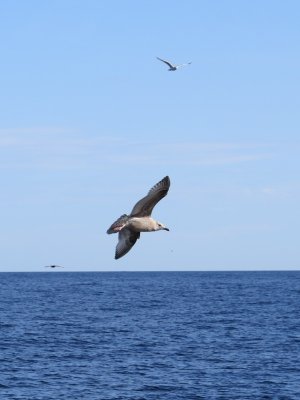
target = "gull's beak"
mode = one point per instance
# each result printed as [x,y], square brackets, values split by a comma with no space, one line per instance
[166,229]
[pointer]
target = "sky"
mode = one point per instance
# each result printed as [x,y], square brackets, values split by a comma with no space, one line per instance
[90,120]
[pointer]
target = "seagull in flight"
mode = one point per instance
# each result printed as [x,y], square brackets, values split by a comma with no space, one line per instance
[171,66]
[53,266]
[129,227]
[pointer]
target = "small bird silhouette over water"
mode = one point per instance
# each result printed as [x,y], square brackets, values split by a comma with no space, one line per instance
[53,266]
[171,66]
[130,226]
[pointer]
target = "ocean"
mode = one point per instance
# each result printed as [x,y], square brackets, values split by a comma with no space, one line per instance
[150,335]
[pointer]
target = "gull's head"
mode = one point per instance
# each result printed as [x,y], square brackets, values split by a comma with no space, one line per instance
[160,227]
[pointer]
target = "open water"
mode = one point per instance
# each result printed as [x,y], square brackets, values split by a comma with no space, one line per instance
[150,336]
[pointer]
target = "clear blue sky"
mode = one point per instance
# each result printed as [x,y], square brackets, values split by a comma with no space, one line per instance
[90,120]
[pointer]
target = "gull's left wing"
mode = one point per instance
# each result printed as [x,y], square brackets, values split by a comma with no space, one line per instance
[144,207]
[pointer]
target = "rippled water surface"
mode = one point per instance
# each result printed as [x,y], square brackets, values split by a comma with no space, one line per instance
[150,336]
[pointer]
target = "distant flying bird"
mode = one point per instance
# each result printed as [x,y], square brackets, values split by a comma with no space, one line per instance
[53,266]
[130,226]
[171,66]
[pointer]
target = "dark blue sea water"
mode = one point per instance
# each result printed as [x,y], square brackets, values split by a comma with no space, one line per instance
[150,336]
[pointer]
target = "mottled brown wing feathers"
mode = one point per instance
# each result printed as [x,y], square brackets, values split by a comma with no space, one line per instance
[145,206]
[118,224]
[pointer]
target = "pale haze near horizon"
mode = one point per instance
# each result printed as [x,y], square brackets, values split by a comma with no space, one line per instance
[91,120]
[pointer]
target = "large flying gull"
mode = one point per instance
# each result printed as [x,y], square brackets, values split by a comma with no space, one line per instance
[171,66]
[130,226]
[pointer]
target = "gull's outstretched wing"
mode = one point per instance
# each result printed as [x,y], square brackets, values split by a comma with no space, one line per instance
[183,65]
[144,207]
[166,62]
[127,239]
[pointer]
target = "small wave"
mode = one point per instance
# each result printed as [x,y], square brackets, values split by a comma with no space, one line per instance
[2,386]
